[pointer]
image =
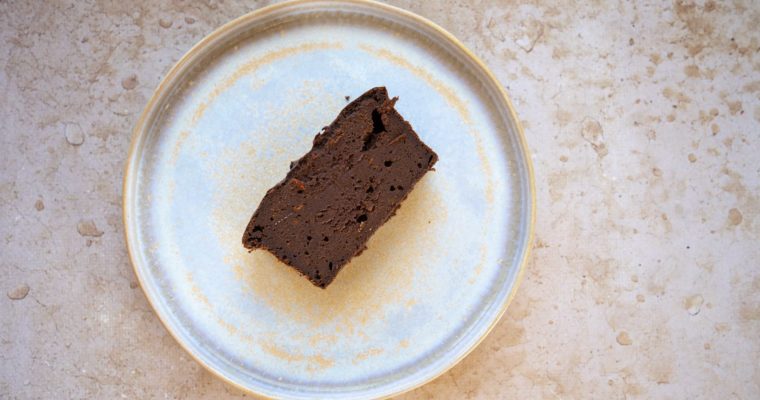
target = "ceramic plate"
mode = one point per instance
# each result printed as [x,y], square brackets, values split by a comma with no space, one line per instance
[223,127]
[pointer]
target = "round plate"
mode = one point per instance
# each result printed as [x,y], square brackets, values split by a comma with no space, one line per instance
[222,128]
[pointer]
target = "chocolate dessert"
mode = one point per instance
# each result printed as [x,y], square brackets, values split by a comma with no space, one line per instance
[354,178]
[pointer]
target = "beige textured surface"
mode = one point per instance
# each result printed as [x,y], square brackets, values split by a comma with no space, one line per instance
[644,123]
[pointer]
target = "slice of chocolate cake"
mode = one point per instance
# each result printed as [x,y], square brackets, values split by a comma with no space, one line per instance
[359,170]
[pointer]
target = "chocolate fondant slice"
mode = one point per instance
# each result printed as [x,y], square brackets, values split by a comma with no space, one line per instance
[354,178]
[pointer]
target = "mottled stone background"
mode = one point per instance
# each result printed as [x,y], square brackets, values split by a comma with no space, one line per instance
[643,119]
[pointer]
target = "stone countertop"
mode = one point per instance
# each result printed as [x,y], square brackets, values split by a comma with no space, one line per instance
[643,120]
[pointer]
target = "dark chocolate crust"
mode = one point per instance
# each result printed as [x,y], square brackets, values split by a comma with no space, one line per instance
[354,178]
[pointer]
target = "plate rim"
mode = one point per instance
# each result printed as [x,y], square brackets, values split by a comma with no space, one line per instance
[139,132]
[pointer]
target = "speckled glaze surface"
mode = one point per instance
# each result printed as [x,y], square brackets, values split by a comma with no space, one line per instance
[223,127]
[642,119]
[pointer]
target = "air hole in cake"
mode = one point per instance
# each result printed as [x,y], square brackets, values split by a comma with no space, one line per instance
[361,218]
[377,128]
[377,122]
[393,188]
[388,163]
